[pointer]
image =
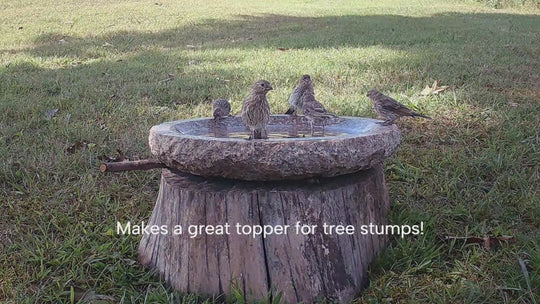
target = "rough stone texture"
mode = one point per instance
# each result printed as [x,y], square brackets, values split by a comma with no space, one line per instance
[304,268]
[188,146]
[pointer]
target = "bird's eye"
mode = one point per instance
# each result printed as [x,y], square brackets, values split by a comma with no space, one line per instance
[262,84]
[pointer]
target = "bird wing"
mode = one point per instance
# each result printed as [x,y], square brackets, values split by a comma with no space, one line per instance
[390,104]
[295,95]
[317,107]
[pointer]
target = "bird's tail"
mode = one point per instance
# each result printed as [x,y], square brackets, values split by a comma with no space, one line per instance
[420,115]
[290,111]
[330,115]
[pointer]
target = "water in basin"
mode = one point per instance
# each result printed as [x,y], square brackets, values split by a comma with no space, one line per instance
[280,127]
[221,133]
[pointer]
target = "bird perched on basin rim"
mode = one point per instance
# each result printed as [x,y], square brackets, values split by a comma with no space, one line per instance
[255,109]
[312,109]
[295,100]
[389,108]
[222,108]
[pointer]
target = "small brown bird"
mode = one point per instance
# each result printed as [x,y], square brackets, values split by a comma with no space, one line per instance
[389,108]
[314,110]
[222,108]
[295,100]
[255,109]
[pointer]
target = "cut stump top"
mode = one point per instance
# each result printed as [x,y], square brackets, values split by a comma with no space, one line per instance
[211,148]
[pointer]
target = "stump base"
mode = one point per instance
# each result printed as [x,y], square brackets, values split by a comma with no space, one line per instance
[303,267]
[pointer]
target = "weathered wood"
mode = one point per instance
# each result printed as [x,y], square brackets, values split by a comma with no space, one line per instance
[303,267]
[144,164]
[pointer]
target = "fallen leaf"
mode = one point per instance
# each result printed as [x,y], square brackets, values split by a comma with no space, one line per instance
[513,104]
[158,109]
[282,49]
[426,91]
[169,78]
[78,145]
[119,158]
[487,242]
[435,89]
[90,297]
[50,114]
[130,262]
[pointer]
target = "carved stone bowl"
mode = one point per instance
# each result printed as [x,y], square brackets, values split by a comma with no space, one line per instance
[221,148]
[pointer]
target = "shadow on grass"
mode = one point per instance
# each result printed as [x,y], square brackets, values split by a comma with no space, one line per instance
[272,31]
[460,49]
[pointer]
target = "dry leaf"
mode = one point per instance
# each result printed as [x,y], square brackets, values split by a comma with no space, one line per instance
[120,158]
[78,145]
[91,297]
[50,114]
[513,104]
[282,49]
[130,262]
[169,78]
[435,89]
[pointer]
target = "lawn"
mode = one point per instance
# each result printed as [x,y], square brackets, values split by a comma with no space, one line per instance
[115,68]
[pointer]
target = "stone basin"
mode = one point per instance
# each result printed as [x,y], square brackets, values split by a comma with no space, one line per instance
[208,148]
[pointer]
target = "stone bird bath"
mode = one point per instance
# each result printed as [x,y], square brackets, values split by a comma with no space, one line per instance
[213,176]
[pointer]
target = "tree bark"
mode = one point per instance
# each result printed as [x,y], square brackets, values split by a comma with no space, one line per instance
[303,267]
[144,164]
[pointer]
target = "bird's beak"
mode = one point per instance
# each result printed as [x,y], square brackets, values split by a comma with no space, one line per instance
[270,88]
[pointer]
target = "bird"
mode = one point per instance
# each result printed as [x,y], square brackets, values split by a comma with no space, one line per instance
[255,109]
[389,108]
[312,109]
[222,108]
[295,100]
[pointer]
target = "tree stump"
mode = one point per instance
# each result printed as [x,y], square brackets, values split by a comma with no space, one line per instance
[303,268]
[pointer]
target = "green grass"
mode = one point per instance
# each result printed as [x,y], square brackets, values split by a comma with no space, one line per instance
[472,170]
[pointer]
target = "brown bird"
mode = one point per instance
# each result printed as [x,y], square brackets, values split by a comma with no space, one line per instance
[222,108]
[255,109]
[389,108]
[314,110]
[295,100]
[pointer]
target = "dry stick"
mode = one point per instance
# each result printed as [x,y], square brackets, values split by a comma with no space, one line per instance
[144,164]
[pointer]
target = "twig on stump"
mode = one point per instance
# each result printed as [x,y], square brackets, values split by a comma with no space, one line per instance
[144,164]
